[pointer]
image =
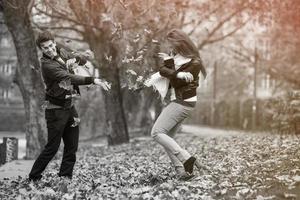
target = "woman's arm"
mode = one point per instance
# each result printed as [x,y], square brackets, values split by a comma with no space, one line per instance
[168,69]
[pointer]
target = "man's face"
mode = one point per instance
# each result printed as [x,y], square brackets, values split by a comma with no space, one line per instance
[49,48]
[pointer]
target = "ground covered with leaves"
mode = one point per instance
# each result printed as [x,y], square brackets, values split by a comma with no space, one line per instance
[246,166]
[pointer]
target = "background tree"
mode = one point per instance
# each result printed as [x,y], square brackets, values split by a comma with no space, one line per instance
[28,77]
[285,32]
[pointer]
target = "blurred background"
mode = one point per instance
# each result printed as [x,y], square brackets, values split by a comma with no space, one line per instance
[250,49]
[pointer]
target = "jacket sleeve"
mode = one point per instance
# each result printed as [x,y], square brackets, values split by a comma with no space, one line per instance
[194,68]
[168,73]
[168,69]
[56,73]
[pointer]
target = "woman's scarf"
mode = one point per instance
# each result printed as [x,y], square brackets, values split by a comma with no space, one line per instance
[159,83]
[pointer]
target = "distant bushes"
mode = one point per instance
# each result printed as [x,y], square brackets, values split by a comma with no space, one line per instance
[279,115]
[284,113]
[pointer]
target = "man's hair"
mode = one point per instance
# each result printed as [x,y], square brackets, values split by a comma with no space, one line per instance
[43,37]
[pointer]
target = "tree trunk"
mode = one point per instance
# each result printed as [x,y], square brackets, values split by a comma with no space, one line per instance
[116,123]
[28,76]
[98,34]
[144,119]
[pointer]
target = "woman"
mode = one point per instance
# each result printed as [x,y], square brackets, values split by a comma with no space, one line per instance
[182,69]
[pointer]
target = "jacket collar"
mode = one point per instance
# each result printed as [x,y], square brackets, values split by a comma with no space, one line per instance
[181,61]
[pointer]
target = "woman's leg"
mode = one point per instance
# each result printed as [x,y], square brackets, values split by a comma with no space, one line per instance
[175,161]
[170,117]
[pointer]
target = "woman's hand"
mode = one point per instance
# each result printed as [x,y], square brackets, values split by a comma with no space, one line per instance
[70,62]
[104,84]
[187,76]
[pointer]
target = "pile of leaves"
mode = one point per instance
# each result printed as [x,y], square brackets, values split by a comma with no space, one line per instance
[246,166]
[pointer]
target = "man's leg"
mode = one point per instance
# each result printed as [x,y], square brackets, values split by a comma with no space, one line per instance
[70,138]
[55,126]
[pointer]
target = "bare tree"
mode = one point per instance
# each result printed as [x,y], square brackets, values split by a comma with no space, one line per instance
[28,77]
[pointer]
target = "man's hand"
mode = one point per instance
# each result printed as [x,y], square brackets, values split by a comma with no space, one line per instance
[187,76]
[104,84]
[70,62]
[164,56]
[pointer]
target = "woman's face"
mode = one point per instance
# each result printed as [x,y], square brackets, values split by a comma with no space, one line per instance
[173,45]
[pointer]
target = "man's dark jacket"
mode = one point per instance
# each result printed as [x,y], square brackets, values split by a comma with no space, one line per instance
[56,74]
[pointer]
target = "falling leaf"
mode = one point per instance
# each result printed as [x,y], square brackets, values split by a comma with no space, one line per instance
[131,72]
[147,31]
[76,122]
[66,84]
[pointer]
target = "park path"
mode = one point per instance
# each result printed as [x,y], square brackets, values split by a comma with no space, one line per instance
[209,132]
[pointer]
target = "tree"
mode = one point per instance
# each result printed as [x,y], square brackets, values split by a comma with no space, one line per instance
[28,77]
[283,22]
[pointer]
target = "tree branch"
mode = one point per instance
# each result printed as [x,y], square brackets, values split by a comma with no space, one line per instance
[221,23]
[242,56]
[205,17]
[122,4]
[56,28]
[147,9]
[69,38]
[205,42]
[66,18]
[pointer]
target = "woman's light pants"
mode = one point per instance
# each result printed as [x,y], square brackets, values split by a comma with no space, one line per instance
[165,128]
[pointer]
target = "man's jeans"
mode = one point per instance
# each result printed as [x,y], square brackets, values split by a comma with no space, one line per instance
[165,128]
[59,123]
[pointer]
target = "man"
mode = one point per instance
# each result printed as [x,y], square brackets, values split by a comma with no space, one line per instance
[61,115]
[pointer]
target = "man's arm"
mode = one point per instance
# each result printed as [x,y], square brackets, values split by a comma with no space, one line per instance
[80,59]
[56,73]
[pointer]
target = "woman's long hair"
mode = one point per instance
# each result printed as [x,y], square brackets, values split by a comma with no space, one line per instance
[184,46]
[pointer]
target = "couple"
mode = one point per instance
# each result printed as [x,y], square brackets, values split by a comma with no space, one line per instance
[181,70]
